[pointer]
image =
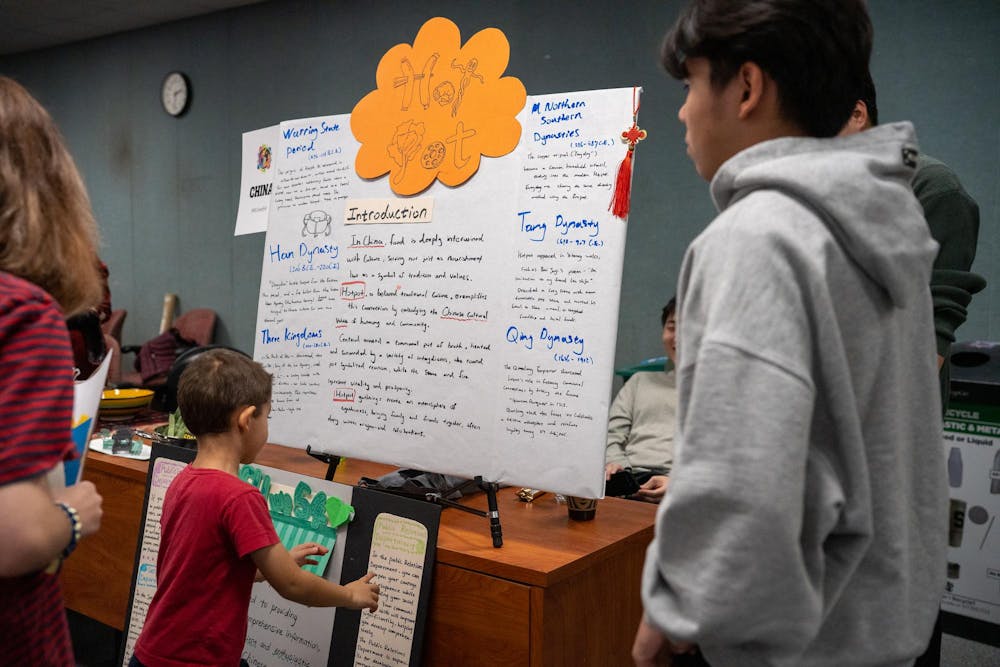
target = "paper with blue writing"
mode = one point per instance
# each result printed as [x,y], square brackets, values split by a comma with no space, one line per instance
[479,343]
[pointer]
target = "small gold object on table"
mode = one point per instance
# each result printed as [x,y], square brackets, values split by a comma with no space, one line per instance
[528,495]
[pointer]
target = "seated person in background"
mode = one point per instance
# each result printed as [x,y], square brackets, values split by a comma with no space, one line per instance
[216,532]
[641,422]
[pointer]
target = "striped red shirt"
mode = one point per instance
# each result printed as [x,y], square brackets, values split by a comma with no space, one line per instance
[36,410]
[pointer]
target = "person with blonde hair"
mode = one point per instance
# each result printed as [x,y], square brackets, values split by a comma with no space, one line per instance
[48,272]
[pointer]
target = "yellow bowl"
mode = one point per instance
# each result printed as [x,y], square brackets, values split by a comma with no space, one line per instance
[123,403]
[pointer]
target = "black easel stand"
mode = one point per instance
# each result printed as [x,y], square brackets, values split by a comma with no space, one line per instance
[439,497]
[490,488]
[331,461]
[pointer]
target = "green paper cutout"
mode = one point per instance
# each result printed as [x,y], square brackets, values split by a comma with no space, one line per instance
[303,516]
[338,512]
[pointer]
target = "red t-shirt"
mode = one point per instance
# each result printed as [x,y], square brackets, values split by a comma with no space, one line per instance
[211,522]
[36,411]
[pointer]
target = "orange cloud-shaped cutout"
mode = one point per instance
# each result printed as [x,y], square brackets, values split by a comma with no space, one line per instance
[437,108]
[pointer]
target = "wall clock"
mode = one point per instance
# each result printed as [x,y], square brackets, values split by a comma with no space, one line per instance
[175,93]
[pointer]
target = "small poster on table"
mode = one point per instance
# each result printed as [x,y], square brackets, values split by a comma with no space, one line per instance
[392,537]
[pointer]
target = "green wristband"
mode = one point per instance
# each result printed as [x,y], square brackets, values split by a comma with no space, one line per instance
[74,519]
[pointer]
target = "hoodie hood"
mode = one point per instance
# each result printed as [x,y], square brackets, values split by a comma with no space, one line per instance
[859,185]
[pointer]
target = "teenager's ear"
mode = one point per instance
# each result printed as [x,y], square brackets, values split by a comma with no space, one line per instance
[244,417]
[859,117]
[752,81]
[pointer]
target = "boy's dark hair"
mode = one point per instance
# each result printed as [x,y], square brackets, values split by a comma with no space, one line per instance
[217,382]
[817,52]
[668,310]
[869,98]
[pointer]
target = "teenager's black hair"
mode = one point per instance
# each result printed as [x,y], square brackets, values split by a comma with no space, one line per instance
[817,52]
[870,99]
[668,310]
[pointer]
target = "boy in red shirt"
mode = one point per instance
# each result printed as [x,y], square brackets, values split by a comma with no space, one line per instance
[217,534]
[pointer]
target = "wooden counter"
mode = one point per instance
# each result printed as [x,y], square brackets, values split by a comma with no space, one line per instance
[558,592]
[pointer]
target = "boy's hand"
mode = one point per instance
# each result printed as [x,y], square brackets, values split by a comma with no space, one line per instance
[610,469]
[364,594]
[302,553]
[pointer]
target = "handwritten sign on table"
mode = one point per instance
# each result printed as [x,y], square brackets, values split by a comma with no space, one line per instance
[281,632]
[161,473]
[399,549]
[391,536]
[479,343]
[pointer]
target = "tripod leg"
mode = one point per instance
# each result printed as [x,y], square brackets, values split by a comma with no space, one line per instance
[491,500]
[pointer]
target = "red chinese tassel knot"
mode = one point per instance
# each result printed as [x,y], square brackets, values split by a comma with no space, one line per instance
[622,196]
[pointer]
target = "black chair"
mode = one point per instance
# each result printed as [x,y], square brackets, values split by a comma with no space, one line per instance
[165,398]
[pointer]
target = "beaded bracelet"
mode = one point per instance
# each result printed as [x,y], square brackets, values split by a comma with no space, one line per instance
[74,519]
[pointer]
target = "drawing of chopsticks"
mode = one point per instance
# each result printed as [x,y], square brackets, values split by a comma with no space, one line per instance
[992,518]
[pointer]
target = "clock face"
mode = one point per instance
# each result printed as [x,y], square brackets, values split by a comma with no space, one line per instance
[175,93]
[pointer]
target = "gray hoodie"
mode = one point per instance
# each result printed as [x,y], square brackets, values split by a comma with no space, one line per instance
[806,518]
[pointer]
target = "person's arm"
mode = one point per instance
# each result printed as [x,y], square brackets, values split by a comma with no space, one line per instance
[951,294]
[293,583]
[953,220]
[302,554]
[35,529]
[619,427]
[731,527]
[36,408]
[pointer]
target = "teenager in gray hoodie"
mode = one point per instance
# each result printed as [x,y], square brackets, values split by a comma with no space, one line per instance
[804,520]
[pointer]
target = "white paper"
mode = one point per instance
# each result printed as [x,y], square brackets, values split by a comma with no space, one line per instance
[282,632]
[279,632]
[256,180]
[86,402]
[162,473]
[481,343]
[399,548]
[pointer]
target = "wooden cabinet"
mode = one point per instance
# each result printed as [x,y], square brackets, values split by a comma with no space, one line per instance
[98,576]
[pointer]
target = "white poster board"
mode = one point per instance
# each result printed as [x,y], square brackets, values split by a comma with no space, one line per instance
[468,330]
